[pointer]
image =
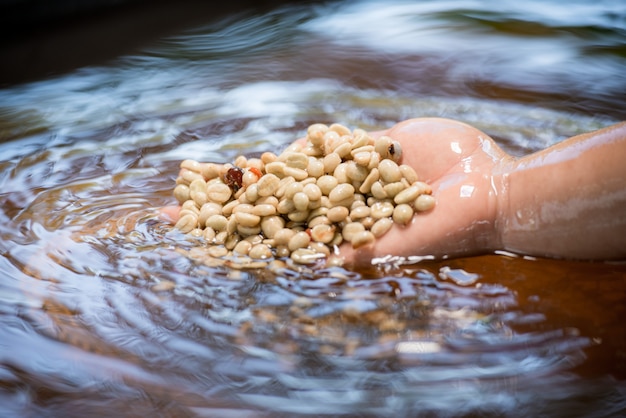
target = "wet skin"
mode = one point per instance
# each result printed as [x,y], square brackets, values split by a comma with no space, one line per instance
[488,200]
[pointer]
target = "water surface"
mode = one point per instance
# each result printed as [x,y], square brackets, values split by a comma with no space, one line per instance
[106,310]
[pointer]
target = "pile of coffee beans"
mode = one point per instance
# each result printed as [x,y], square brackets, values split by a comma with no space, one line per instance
[338,186]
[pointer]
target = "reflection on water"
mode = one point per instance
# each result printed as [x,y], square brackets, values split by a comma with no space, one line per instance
[103,307]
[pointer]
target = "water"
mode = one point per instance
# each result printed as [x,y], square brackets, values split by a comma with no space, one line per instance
[104,310]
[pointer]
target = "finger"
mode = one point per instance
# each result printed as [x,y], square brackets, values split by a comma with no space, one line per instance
[169,214]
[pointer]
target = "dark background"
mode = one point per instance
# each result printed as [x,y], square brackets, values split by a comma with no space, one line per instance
[41,38]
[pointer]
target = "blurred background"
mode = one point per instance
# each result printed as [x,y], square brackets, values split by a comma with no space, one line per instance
[104,310]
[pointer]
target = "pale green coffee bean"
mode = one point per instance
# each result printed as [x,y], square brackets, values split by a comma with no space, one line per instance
[360,212]
[372,177]
[389,171]
[218,192]
[315,167]
[181,193]
[378,191]
[264,210]
[381,146]
[292,189]
[321,211]
[256,163]
[318,220]
[246,231]
[217,222]
[312,191]
[199,197]
[357,201]
[407,195]
[208,209]
[326,184]
[296,173]
[242,207]
[276,168]
[241,161]
[284,183]
[210,170]
[340,129]
[374,161]
[267,184]
[367,222]
[187,222]
[282,251]
[424,188]
[402,214]
[231,226]
[220,238]
[231,241]
[360,138]
[365,148]
[254,238]
[337,240]
[189,176]
[356,172]
[341,173]
[337,214]
[295,160]
[320,248]
[408,173]
[294,147]
[331,161]
[306,256]
[228,208]
[334,261]
[268,157]
[341,192]
[299,240]
[298,216]
[260,252]
[283,235]
[301,201]
[217,250]
[381,226]
[362,239]
[392,189]
[343,150]
[347,202]
[350,229]
[270,225]
[323,233]
[381,210]
[191,165]
[249,178]
[267,200]
[315,133]
[312,151]
[209,234]
[198,185]
[247,219]
[242,247]
[191,206]
[285,206]
[424,202]
[252,192]
[362,158]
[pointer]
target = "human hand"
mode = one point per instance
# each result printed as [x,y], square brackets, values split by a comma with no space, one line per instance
[463,166]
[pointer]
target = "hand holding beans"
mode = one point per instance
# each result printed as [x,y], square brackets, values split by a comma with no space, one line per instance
[336,186]
[485,199]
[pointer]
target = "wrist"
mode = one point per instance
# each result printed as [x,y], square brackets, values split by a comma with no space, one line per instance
[501,212]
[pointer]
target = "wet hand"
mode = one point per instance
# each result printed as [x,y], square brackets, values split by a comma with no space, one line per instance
[463,167]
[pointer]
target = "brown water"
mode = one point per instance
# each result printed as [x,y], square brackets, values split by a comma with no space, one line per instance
[103,311]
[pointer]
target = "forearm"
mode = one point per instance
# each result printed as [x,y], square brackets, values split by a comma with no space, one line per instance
[568,200]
